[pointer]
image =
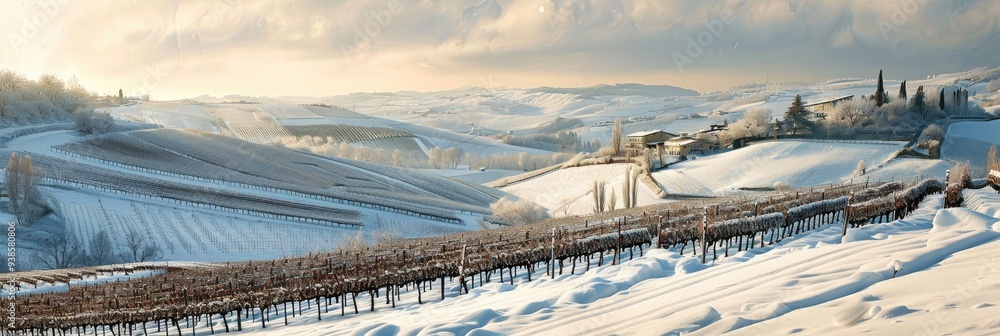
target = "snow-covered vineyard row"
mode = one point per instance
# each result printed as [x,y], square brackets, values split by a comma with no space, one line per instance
[301,174]
[249,123]
[261,288]
[80,175]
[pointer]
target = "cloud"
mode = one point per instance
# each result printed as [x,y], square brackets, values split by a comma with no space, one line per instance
[320,44]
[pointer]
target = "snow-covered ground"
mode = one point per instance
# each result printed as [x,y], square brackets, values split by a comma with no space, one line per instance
[935,272]
[798,163]
[970,141]
[567,192]
[190,233]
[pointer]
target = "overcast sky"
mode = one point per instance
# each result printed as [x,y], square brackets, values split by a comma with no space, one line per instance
[174,49]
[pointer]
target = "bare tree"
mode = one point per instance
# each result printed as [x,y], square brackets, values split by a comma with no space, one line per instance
[598,193]
[101,249]
[518,212]
[21,180]
[992,161]
[138,249]
[59,252]
[629,189]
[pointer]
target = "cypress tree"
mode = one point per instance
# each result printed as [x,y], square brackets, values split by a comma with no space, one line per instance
[917,104]
[941,101]
[902,91]
[121,95]
[880,98]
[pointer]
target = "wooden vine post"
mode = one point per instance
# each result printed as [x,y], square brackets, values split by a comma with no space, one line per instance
[656,236]
[704,236]
[461,272]
[846,209]
[618,243]
[552,260]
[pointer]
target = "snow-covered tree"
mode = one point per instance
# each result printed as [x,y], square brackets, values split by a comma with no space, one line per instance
[101,249]
[57,252]
[518,212]
[797,116]
[616,137]
[860,169]
[21,179]
[138,248]
[932,132]
[918,104]
[880,97]
[600,204]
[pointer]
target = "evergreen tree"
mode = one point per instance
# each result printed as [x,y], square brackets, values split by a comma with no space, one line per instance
[917,104]
[880,98]
[121,95]
[941,101]
[902,91]
[797,115]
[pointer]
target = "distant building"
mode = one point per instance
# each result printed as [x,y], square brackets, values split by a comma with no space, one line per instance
[821,108]
[714,129]
[639,141]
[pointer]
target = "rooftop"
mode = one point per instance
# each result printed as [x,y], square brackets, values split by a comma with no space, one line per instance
[645,133]
[828,101]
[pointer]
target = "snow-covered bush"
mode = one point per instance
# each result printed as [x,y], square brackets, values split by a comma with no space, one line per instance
[90,122]
[754,124]
[993,86]
[518,212]
[932,132]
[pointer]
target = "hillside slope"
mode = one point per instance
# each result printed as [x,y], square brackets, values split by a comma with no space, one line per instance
[798,163]
[202,196]
[933,272]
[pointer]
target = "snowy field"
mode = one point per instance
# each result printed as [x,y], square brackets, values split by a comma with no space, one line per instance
[568,192]
[935,272]
[798,163]
[970,141]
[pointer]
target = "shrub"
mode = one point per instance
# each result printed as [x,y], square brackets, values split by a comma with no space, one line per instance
[518,212]
[90,122]
[932,132]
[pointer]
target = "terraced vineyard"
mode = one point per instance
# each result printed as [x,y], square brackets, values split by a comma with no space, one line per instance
[211,158]
[249,123]
[185,232]
[235,291]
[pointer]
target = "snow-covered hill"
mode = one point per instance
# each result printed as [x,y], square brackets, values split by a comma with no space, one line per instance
[567,192]
[933,272]
[206,197]
[797,163]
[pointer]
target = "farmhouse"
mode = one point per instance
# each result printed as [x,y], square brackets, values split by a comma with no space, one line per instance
[821,108]
[639,141]
[685,145]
